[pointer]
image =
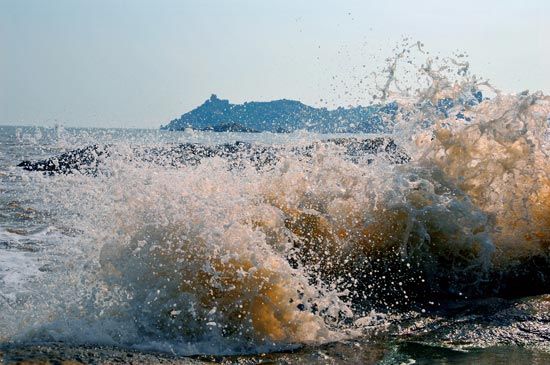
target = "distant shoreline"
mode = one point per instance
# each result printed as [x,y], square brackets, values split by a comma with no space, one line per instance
[283,116]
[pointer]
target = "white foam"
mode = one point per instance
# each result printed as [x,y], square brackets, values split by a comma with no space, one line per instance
[206,259]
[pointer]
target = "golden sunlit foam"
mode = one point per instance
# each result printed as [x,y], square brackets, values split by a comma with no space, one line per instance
[295,252]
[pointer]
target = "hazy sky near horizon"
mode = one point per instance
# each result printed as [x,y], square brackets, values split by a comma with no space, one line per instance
[138,63]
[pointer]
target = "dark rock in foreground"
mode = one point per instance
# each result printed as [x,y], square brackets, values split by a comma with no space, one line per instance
[79,159]
[88,159]
[61,353]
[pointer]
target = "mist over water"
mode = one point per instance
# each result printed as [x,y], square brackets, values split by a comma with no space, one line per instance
[213,258]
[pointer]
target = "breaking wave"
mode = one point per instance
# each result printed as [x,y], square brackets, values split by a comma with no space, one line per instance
[204,258]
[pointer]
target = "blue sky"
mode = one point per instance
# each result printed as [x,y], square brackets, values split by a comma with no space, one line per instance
[137,63]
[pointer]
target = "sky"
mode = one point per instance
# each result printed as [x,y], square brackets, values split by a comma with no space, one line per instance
[142,63]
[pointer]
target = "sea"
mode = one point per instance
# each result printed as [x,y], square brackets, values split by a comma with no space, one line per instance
[313,258]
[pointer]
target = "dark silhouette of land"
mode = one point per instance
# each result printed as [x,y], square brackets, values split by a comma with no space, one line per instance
[282,116]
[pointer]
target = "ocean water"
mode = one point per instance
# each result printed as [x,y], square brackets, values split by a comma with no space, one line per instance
[317,258]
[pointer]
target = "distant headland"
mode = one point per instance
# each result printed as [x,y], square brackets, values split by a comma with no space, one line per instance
[283,116]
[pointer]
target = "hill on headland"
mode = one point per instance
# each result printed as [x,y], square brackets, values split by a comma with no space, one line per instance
[280,116]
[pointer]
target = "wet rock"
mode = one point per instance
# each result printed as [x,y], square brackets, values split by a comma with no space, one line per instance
[59,353]
[88,159]
[82,159]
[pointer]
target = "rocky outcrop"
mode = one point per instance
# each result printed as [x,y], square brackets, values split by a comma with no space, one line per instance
[89,159]
[284,115]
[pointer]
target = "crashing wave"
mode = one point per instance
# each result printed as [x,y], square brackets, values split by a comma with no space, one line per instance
[296,252]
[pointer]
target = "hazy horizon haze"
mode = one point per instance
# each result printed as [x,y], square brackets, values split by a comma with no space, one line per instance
[143,63]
